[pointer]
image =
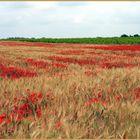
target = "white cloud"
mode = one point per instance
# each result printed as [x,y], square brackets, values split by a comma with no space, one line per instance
[69,19]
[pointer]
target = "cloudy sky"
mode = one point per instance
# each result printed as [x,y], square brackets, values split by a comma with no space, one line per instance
[68,19]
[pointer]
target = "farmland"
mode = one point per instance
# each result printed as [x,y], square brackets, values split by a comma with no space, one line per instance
[69,90]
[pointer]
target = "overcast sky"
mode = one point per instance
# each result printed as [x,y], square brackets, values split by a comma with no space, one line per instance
[69,19]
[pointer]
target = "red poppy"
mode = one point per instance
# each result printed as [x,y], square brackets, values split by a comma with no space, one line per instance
[58,124]
[39,113]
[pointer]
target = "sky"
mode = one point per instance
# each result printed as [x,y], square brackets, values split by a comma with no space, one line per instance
[69,19]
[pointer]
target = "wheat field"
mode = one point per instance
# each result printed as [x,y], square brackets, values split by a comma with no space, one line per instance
[69,90]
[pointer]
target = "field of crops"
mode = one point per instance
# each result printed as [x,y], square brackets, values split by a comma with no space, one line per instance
[69,90]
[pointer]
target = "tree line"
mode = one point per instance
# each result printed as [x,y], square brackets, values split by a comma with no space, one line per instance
[123,39]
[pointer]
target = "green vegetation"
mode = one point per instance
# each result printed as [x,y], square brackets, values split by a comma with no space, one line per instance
[124,39]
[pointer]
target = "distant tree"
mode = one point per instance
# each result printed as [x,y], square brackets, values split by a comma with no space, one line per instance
[124,35]
[136,35]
